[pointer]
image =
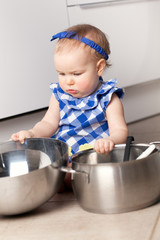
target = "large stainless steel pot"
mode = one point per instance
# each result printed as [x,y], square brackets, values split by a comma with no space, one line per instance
[29,173]
[106,184]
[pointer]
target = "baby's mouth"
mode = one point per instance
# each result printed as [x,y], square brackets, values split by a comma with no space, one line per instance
[72,91]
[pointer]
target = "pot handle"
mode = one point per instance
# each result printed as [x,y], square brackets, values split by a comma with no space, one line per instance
[127,148]
[156,142]
[72,171]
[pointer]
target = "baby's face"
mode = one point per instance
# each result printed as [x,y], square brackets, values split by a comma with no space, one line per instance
[77,72]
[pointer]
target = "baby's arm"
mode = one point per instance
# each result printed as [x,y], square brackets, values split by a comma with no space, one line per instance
[117,127]
[46,127]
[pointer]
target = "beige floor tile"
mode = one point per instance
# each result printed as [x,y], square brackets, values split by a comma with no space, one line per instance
[67,196]
[65,220]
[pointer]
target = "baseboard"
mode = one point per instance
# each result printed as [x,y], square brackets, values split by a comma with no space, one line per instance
[142,100]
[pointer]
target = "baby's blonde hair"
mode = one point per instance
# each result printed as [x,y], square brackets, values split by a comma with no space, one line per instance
[90,32]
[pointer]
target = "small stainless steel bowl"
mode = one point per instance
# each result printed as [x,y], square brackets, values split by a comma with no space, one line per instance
[29,173]
[113,186]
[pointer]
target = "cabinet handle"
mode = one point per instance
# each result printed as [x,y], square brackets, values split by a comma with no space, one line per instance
[94,2]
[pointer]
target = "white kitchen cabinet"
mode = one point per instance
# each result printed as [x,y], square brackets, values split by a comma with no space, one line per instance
[133,30]
[26,53]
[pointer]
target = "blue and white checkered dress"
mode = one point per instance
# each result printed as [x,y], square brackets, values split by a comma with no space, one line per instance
[83,120]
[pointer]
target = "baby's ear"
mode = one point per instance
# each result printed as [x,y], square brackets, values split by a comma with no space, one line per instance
[101,64]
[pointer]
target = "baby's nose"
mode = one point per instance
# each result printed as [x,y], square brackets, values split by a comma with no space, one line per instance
[70,81]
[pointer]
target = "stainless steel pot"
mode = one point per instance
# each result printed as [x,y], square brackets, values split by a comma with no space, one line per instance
[29,173]
[106,184]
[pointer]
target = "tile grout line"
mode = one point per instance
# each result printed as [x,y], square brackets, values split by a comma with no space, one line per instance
[154,226]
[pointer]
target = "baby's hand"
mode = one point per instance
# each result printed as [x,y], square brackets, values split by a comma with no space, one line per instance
[22,135]
[103,145]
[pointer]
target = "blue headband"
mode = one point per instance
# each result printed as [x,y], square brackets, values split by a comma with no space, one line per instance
[73,35]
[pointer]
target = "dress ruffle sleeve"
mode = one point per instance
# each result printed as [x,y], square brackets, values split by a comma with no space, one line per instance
[54,89]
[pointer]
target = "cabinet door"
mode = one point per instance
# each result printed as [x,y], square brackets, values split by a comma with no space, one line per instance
[26,53]
[133,29]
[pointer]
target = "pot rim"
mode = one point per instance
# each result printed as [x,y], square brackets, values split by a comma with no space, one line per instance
[23,146]
[117,146]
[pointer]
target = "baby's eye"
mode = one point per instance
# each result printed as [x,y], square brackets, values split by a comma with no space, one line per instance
[77,74]
[62,74]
